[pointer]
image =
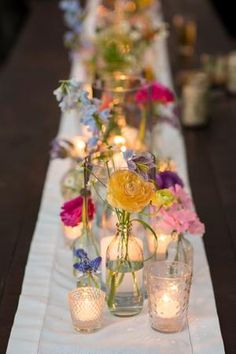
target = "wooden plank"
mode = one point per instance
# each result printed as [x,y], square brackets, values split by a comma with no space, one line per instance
[29,120]
[212,164]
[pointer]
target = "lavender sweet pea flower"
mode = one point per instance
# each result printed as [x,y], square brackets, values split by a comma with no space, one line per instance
[167,179]
[60,148]
[141,164]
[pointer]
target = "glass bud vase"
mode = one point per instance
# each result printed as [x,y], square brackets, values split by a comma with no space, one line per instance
[88,243]
[180,250]
[124,273]
[72,182]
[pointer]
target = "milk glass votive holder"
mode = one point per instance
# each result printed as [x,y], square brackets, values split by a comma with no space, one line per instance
[168,286]
[86,308]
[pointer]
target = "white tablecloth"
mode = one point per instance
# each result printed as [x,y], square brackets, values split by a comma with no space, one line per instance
[42,323]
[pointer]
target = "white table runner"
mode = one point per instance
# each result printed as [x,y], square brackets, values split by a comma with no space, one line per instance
[42,323]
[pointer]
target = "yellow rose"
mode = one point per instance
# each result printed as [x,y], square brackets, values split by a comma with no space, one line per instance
[128,191]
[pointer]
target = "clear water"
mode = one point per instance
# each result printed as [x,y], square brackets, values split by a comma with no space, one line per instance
[125,287]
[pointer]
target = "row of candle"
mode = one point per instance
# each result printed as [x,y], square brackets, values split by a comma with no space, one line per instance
[168,286]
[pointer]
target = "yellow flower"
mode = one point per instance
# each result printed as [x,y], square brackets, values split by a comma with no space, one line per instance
[163,197]
[129,191]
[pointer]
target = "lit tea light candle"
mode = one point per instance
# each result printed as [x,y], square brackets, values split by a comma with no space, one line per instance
[79,146]
[168,295]
[119,140]
[86,306]
[162,245]
[167,307]
[71,233]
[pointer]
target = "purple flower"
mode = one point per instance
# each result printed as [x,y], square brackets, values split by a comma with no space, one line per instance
[60,148]
[140,163]
[84,264]
[167,179]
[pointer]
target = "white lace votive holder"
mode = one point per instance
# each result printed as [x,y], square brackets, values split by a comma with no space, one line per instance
[168,286]
[86,307]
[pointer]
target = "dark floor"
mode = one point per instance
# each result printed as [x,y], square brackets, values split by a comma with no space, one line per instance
[29,120]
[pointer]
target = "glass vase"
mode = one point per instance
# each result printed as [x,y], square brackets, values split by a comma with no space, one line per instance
[124,273]
[88,243]
[121,93]
[72,182]
[180,250]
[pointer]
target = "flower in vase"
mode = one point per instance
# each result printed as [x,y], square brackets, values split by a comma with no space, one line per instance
[140,163]
[71,213]
[68,94]
[129,191]
[180,217]
[161,93]
[84,264]
[163,197]
[167,179]
[155,92]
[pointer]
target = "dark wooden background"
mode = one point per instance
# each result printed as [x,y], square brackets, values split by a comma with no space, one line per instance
[29,120]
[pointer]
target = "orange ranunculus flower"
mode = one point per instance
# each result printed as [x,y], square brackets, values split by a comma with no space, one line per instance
[128,191]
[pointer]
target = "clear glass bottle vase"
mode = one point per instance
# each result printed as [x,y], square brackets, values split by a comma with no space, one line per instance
[72,182]
[88,243]
[180,250]
[124,273]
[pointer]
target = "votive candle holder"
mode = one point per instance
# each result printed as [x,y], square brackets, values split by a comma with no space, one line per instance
[168,287]
[86,307]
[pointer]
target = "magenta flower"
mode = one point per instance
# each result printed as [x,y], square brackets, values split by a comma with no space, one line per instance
[161,93]
[71,211]
[155,92]
[142,96]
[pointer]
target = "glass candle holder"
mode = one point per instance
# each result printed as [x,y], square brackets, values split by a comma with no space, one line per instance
[131,119]
[168,286]
[86,307]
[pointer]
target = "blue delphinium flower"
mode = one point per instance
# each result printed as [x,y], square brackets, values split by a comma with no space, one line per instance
[84,264]
[68,94]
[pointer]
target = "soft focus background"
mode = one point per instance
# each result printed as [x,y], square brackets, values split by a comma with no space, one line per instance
[14,13]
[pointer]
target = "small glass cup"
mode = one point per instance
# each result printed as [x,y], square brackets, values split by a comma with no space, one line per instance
[168,286]
[86,307]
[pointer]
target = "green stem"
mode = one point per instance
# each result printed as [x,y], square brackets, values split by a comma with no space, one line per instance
[142,127]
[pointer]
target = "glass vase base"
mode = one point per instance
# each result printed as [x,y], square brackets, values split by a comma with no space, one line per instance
[86,330]
[127,305]
[127,312]
[168,325]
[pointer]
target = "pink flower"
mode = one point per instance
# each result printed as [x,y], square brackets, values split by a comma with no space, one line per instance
[142,96]
[156,92]
[182,196]
[161,93]
[180,217]
[71,211]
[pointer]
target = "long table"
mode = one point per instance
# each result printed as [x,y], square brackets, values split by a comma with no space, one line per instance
[10,292]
